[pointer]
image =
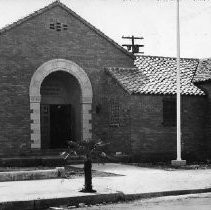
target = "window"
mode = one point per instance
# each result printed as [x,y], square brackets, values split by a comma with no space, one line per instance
[169,111]
[114,112]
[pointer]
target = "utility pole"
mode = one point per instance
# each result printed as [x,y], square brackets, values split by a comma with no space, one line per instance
[134,47]
[179,160]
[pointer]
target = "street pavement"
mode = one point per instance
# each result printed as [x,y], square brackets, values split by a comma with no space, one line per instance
[135,180]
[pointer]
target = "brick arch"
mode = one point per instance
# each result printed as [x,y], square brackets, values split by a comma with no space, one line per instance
[35,97]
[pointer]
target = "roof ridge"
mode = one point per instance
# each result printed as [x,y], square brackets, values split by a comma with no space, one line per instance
[204,59]
[157,56]
[56,3]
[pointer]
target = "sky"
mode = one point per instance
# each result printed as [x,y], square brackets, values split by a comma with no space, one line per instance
[155,20]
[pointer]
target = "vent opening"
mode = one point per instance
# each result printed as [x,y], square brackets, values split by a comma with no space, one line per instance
[58,26]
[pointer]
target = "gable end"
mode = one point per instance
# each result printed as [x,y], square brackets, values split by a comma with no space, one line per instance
[58,3]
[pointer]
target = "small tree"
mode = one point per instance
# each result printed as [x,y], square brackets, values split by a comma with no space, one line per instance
[88,150]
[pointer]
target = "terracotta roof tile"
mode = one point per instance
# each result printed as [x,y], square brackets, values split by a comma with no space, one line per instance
[203,72]
[131,79]
[157,75]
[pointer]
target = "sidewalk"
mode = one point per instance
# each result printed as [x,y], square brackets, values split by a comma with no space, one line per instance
[136,182]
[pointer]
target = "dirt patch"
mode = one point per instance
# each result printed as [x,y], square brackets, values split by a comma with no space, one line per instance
[10,169]
[75,172]
[70,171]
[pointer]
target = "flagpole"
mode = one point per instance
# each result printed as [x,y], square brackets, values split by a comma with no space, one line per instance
[179,160]
[178,88]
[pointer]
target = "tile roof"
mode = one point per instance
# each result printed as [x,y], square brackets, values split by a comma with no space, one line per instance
[157,75]
[58,3]
[203,72]
[131,79]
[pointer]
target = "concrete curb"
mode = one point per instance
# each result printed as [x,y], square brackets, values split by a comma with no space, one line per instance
[31,175]
[91,199]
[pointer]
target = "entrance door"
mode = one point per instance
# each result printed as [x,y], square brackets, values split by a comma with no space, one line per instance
[60,125]
[56,126]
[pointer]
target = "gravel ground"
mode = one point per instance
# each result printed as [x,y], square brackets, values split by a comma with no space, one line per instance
[70,171]
[75,172]
[7,169]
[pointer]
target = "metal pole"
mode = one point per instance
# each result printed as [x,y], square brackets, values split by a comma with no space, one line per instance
[178,89]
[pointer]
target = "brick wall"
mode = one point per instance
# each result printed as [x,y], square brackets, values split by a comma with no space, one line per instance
[206,86]
[145,135]
[27,46]
[152,139]
[118,134]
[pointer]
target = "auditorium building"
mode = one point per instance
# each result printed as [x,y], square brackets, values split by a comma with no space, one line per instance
[63,79]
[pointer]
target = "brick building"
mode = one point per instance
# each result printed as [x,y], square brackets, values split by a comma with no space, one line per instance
[61,78]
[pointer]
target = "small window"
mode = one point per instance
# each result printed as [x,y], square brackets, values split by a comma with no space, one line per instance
[114,112]
[169,111]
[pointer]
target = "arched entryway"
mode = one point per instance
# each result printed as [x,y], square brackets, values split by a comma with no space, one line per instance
[60,110]
[60,88]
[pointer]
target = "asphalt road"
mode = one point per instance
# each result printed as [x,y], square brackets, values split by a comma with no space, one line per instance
[187,202]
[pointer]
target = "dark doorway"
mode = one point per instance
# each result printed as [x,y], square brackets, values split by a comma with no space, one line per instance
[56,125]
[60,110]
[60,125]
